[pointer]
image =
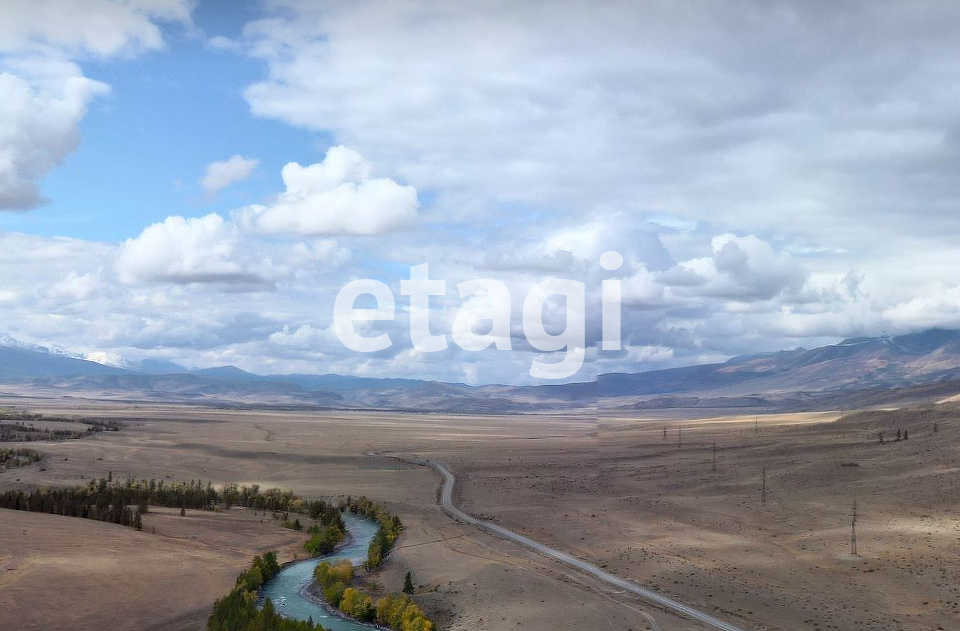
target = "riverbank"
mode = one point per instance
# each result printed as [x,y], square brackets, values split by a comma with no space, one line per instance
[327,590]
[289,588]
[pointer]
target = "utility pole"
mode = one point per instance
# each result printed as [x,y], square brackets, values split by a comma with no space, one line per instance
[853,531]
[763,490]
[714,455]
[664,434]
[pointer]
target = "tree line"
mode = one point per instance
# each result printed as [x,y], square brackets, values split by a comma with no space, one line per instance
[124,502]
[12,458]
[390,528]
[18,426]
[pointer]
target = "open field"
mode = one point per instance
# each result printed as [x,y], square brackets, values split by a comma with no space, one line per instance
[610,490]
[66,573]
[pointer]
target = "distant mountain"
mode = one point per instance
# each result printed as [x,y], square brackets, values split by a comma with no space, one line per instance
[38,371]
[869,363]
[231,373]
[21,361]
[864,371]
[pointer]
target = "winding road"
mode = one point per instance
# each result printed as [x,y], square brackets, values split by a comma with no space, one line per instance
[447,503]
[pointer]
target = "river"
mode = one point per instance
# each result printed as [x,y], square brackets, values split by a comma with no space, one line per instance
[287,589]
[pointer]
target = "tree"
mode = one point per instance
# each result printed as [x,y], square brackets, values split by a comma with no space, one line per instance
[357,604]
[408,584]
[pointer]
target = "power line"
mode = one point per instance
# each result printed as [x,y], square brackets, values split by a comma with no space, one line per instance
[763,490]
[853,531]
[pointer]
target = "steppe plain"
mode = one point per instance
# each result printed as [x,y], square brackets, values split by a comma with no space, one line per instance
[635,492]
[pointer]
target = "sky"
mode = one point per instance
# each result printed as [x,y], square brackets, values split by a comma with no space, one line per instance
[196,181]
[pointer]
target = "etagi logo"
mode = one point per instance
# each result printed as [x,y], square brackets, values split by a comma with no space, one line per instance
[420,287]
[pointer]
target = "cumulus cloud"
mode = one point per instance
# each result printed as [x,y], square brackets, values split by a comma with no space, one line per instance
[219,175]
[185,251]
[45,95]
[740,268]
[938,306]
[40,128]
[336,196]
[75,286]
[642,289]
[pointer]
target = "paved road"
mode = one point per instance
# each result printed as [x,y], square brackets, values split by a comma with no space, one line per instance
[446,500]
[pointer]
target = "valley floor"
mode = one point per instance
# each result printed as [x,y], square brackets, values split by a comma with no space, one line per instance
[610,489]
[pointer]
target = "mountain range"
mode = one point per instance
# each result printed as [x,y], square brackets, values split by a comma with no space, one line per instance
[916,365]
[859,371]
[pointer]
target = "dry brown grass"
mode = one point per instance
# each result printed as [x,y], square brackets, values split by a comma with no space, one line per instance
[610,490]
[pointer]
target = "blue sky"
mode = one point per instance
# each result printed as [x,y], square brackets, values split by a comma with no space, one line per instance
[764,193]
[146,144]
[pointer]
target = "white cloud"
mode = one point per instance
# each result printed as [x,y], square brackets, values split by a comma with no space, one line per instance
[938,306]
[219,175]
[45,95]
[39,129]
[740,268]
[219,42]
[642,289]
[305,337]
[99,27]
[706,115]
[336,196]
[75,286]
[185,251]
